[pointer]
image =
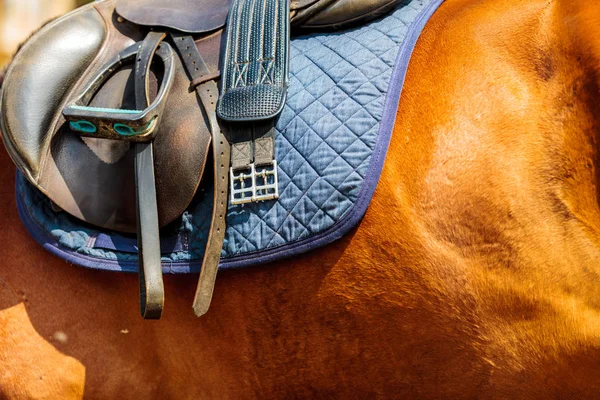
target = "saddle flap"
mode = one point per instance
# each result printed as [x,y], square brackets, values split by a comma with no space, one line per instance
[341,13]
[192,16]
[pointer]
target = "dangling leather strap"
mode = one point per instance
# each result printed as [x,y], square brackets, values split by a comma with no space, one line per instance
[208,93]
[150,269]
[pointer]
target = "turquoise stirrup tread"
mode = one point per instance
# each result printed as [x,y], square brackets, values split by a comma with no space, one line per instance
[83,126]
[126,130]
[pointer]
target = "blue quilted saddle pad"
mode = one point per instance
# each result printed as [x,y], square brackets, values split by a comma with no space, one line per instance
[331,142]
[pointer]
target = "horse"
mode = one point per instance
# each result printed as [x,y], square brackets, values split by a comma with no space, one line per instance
[474,273]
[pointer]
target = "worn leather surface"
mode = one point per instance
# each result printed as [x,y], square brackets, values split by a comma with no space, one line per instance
[347,12]
[296,4]
[92,179]
[337,14]
[39,81]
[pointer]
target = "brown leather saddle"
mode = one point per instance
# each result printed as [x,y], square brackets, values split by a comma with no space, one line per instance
[111,112]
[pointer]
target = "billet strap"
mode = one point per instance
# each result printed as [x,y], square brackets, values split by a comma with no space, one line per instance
[151,282]
[221,154]
[254,144]
[253,173]
[256,63]
[208,93]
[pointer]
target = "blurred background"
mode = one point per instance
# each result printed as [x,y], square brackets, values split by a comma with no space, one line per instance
[20,18]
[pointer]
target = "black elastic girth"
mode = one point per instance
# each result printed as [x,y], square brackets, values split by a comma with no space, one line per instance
[253,93]
[254,143]
[208,93]
[150,269]
[256,61]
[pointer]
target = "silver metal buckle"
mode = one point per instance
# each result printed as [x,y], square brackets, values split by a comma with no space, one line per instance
[254,184]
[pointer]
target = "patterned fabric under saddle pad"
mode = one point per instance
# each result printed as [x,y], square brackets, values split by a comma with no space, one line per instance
[331,142]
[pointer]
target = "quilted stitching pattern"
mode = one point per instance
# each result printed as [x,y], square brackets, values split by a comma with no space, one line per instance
[326,133]
[324,141]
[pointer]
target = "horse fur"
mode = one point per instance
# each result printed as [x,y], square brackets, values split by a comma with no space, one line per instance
[474,274]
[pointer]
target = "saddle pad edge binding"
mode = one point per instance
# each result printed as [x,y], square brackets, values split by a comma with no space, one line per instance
[327,236]
[50,244]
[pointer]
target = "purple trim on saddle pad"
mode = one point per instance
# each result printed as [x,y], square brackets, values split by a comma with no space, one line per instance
[182,250]
[345,224]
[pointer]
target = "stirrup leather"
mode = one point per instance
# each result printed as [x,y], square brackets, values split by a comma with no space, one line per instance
[139,126]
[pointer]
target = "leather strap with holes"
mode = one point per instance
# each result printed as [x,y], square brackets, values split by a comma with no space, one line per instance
[203,81]
[150,269]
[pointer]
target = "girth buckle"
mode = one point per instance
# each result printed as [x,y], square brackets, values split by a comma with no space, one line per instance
[254,183]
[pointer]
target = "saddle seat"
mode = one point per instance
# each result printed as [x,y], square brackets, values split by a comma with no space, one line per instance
[94,179]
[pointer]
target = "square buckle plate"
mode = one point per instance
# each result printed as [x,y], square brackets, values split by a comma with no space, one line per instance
[254,184]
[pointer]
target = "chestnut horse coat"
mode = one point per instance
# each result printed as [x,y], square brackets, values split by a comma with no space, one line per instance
[474,274]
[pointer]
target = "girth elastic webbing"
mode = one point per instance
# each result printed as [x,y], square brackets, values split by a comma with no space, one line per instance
[256,63]
[254,90]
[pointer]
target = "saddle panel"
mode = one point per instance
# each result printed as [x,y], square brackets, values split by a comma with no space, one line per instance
[297,4]
[319,15]
[41,78]
[342,13]
[191,16]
